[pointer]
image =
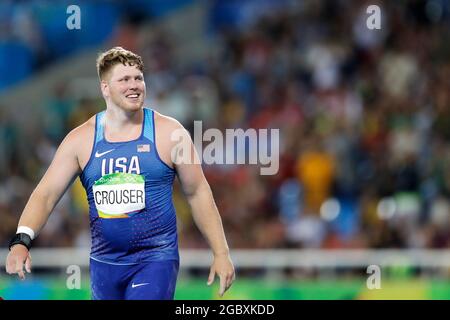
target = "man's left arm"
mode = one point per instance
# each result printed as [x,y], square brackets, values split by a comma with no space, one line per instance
[206,216]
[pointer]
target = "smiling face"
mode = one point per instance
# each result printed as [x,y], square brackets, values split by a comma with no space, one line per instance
[124,86]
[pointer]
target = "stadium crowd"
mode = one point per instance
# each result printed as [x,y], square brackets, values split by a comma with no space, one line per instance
[364,119]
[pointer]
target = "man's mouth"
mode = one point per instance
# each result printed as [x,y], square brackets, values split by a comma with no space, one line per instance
[133,96]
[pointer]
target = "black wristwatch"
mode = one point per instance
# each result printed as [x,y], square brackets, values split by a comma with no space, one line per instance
[20,238]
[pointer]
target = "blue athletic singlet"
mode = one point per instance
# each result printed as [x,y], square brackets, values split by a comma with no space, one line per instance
[129,190]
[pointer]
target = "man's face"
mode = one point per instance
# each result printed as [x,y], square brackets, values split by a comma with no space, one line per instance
[125,87]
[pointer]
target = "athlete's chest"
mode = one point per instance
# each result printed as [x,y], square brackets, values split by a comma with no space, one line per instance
[130,157]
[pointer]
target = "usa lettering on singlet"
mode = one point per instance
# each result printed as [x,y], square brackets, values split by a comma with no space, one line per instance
[129,191]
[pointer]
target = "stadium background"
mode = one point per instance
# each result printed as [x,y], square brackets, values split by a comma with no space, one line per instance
[364,119]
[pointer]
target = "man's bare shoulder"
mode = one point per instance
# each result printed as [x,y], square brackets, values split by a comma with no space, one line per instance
[81,135]
[166,123]
[84,130]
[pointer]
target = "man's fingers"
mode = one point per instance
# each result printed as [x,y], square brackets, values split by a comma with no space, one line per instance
[230,280]
[18,265]
[222,285]
[10,266]
[211,276]
[19,268]
[21,275]
[28,264]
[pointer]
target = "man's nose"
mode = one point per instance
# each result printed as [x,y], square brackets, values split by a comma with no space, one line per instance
[133,84]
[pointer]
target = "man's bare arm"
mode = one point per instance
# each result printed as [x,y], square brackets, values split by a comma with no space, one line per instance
[206,215]
[58,177]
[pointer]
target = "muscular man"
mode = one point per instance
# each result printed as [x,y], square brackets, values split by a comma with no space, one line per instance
[123,156]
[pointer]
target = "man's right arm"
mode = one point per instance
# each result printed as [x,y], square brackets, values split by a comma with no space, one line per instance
[58,177]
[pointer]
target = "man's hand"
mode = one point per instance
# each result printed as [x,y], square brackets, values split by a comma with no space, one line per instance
[224,268]
[18,257]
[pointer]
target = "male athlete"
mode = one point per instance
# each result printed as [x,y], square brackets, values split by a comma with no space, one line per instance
[123,157]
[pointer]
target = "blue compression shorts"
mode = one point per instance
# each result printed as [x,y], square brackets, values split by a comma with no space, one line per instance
[147,281]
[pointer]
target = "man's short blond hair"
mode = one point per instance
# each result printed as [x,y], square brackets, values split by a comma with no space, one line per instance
[116,55]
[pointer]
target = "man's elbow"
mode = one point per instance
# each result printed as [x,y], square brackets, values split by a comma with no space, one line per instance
[196,190]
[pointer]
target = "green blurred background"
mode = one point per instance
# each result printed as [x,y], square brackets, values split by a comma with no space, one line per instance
[50,288]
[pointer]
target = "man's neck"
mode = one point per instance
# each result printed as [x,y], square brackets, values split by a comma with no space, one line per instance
[117,117]
[124,124]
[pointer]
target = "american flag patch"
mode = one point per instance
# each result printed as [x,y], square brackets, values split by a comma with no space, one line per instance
[143,148]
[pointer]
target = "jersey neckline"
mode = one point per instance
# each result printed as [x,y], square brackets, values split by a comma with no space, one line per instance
[119,142]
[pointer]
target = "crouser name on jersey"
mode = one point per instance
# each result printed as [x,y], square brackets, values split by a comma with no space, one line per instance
[121,164]
[119,197]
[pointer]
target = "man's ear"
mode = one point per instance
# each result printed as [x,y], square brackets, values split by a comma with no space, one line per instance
[105,88]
